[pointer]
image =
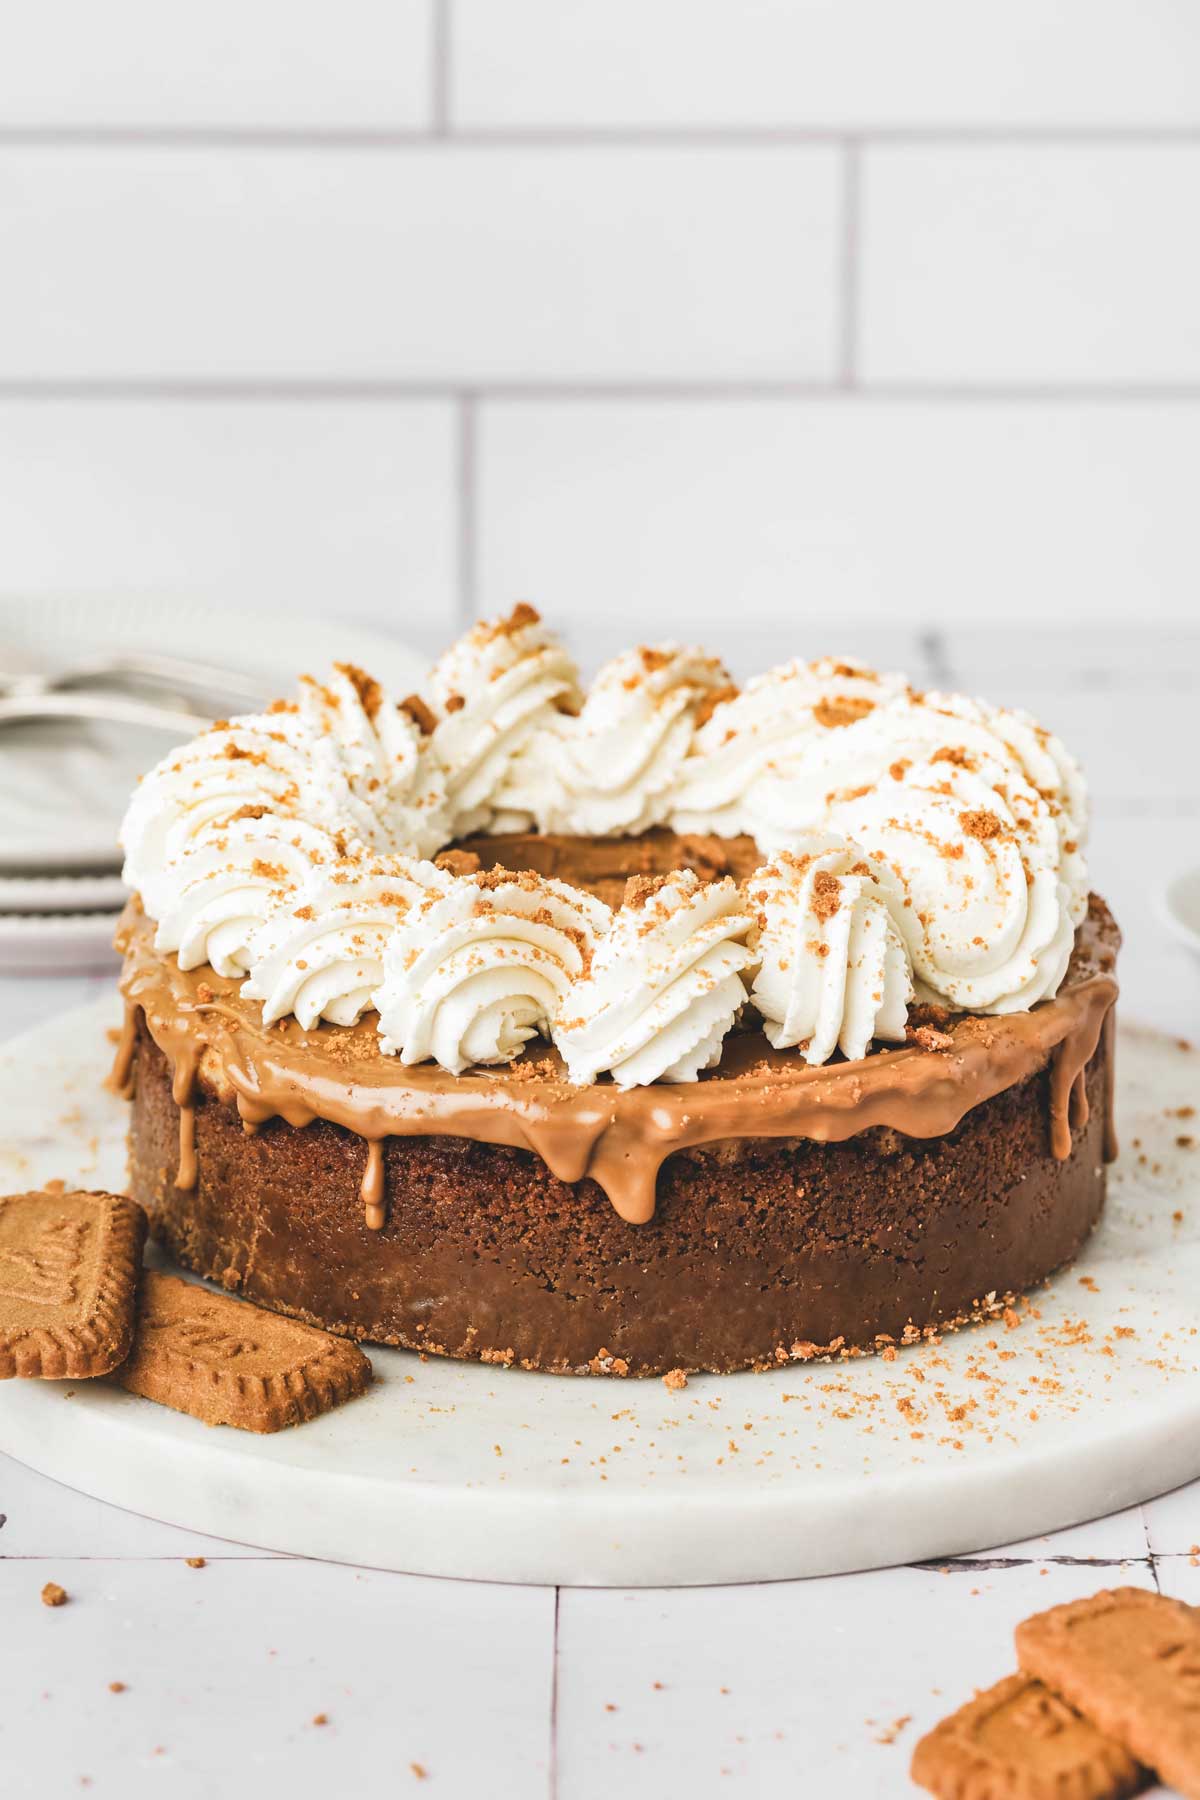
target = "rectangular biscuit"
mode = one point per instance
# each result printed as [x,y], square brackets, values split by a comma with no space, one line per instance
[1018,1741]
[69,1268]
[1130,1660]
[229,1363]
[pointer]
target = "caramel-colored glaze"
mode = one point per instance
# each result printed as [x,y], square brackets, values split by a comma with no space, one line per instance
[1110,1081]
[183,1087]
[120,1078]
[373,1196]
[208,1032]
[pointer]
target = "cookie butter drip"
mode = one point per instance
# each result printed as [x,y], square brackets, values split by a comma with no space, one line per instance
[1068,1070]
[1111,1147]
[620,1139]
[373,1193]
[120,1077]
[183,1088]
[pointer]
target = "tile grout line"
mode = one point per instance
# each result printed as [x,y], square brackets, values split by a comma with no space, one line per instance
[300,388]
[963,1565]
[1149,1547]
[440,134]
[849,269]
[553,1770]
[466,490]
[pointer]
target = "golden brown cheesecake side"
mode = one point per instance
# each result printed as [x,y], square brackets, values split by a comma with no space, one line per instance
[789,1209]
[758,1250]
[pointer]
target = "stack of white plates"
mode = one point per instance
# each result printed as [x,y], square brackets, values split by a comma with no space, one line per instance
[58,924]
[64,784]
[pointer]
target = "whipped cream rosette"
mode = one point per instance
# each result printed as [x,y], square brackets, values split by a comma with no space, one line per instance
[1044,764]
[834,972]
[974,869]
[620,758]
[665,984]
[499,692]
[342,756]
[229,877]
[899,778]
[265,760]
[750,740]
[319,953]
[471,977]
[1008,749]
[364,740]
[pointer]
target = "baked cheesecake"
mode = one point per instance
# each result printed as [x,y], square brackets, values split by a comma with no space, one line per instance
[656,1026]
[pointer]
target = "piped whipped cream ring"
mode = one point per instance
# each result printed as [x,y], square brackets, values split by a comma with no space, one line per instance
[764,728]
[499,690]
[472,977]
[665,984]
[1045,764]
[850,781]
[343,756]
[229,877]
[361,737]
[977,894]
[620,758]
[319,953]
[260,760]
[834,972]
[972,820]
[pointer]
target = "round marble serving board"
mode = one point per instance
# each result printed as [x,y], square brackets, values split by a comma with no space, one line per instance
[1084,1402]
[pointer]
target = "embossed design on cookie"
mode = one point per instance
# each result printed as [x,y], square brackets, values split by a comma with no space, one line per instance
[45,1273]
[229,1363]
[1019,1741]
[69,1267]
[206,1343]
[1041,1714]
[1129,1659]
[1183,1659]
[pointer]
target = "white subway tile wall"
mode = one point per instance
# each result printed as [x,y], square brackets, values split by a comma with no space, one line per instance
[718,513]
[665,312]
[823,64]
[256,65]
[1014,263]
[317,505]
[417,264]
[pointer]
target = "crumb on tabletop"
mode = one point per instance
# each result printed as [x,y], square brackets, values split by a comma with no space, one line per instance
[53,1595]
[196,1562]
[320,1718]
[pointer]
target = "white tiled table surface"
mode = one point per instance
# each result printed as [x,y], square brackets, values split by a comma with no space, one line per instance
[816,1687]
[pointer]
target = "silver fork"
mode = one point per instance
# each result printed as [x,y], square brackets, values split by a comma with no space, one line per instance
[17,708]
[203,679]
